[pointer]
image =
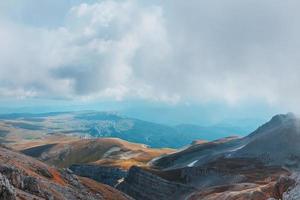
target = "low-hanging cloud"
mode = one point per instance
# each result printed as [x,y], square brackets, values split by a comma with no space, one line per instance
[164,51]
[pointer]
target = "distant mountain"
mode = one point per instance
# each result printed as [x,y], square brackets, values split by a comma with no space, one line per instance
[90,124]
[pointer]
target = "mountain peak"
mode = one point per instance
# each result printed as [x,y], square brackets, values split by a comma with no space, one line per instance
[280,118]
[276,121]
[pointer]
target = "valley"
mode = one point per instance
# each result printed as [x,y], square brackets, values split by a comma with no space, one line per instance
[46,128]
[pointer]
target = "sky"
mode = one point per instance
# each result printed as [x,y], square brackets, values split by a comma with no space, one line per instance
[168,61]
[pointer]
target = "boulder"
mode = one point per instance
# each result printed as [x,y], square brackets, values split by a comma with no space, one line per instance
[7,191]
[282,185]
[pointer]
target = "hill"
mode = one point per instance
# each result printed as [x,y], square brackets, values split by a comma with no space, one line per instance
[89,124]
[106,160]
[22,177]
[103,151]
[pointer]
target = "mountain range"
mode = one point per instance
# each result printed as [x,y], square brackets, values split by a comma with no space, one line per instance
[263,165]
[91,124]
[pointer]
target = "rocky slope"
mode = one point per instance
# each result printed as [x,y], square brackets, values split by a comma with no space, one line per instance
[22,177]
[265,144]
[293,189]
[257,167]
[103,174]
[276,141]
[142,184]
[234,179]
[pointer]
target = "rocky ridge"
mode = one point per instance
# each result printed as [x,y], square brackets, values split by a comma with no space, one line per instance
[142,184]
[22,177]
[103,174]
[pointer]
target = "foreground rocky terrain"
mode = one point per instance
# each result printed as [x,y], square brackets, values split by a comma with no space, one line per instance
[25,178]
[294,192]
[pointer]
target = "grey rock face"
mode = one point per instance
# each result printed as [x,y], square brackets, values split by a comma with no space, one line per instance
[44,172]
[31,185]
[106,175]
[7,191]
[22,181]
[282,185]
[143,185]
[13,174]
[15,178]
[294,192]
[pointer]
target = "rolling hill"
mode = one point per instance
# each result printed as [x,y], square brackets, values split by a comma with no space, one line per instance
[91,124]
[103,151]
[106,160]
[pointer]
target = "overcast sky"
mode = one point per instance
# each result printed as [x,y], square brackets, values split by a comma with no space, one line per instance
[171,51]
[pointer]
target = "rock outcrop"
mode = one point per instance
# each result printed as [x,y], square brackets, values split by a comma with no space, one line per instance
[283,185]
[103,174]
[293,190]
[22,177]
[7,191]
[141,184]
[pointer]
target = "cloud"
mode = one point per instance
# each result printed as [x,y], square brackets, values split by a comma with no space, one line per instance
[171,51]
[237,50]
[89,56]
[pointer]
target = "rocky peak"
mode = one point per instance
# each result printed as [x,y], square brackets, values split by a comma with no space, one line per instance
[22,177]
[283,118]
[278,121]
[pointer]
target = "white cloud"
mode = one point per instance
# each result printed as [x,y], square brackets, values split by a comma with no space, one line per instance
[173,51]
[90,55]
